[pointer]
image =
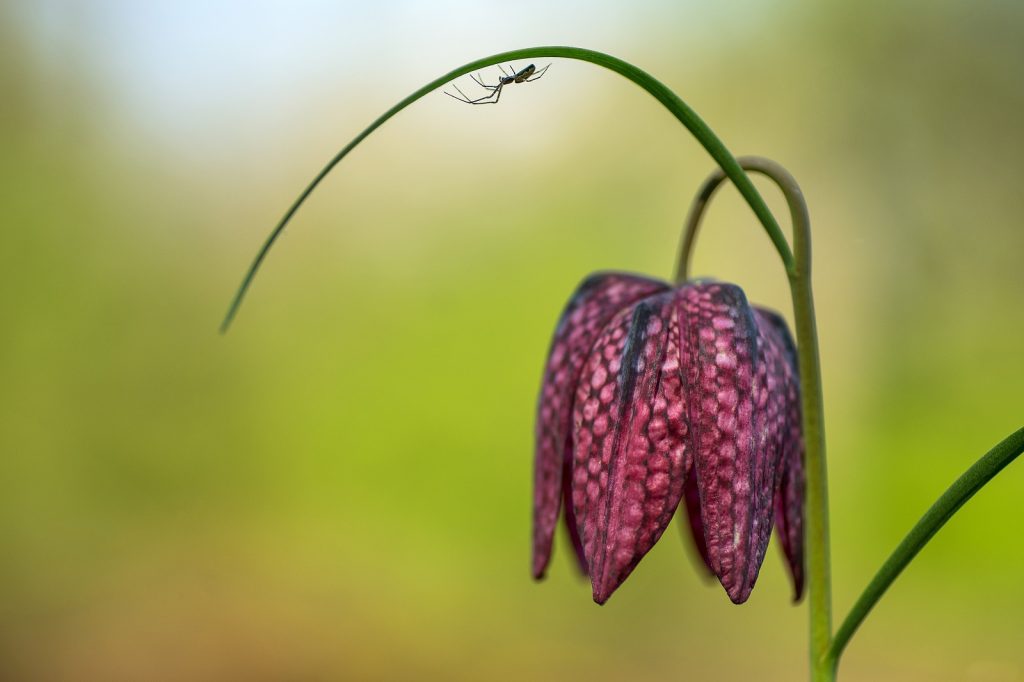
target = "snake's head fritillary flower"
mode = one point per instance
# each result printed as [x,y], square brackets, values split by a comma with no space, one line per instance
[657,397]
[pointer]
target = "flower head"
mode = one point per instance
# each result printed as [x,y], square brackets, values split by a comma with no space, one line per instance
[655,396]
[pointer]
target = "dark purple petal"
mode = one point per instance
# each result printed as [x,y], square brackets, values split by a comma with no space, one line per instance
[570,516]
[771,419]
[732,375]
[789,514]
[589,310]
[789,494]
[691,496]
[628,440]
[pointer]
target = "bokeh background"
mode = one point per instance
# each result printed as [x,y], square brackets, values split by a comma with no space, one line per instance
[339,489]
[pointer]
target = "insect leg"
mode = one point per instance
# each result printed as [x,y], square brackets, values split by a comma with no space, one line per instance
[537,74]
[466,99]
[463,98]
[486,99]
[480,82]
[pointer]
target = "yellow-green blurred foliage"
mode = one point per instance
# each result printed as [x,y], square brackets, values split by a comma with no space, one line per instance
[339,489]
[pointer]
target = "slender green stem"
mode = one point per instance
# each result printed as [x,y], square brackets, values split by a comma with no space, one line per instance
[819,576]
[693,218]
[819,570]
[980,473]
[779,175]
[668,99]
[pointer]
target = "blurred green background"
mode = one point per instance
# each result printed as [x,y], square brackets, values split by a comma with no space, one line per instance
[339,489]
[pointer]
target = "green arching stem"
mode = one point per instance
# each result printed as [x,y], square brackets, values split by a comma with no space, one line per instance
[668,99]
[980,473]
[819,575]
[794,199]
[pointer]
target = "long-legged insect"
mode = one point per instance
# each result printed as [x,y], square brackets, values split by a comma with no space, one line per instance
[527,75]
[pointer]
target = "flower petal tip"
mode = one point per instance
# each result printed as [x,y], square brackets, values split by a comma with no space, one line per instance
[602,593]
[739,597]
[738,590]
[798,584]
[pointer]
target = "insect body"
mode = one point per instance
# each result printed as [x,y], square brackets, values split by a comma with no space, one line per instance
[527,75]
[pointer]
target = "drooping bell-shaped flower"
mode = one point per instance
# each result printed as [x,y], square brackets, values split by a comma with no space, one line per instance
[654,397]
